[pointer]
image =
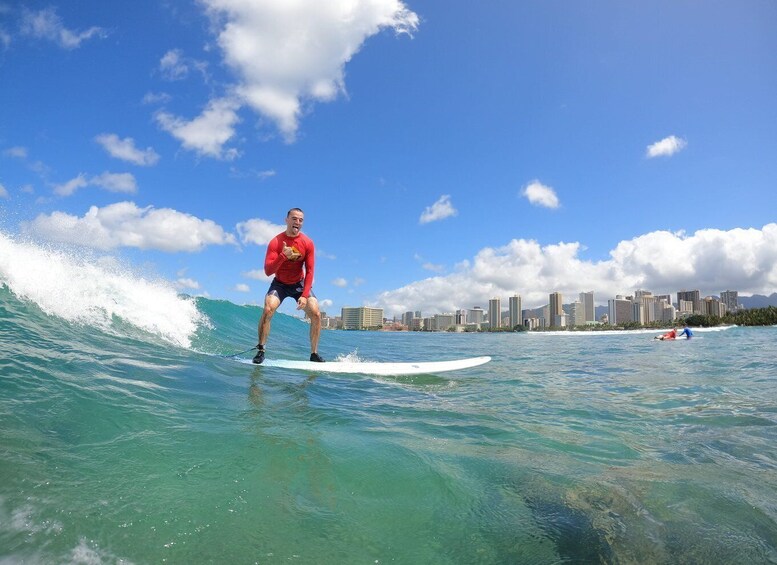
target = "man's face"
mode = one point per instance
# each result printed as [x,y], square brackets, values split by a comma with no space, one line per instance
[294,223]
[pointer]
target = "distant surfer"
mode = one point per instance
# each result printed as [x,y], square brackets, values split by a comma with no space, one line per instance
[287,254]
[671,334]
[686,332]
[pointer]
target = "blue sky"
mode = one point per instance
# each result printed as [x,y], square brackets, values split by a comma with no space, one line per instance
[444,153]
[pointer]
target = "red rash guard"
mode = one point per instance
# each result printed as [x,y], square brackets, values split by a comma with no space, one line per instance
[289,271]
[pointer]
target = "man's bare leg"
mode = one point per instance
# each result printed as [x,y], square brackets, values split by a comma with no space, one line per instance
[271,303]
[315,323]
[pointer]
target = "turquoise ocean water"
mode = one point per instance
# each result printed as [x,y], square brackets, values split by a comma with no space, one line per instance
[125,438]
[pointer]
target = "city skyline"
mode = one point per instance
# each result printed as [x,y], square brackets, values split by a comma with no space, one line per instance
[584,314]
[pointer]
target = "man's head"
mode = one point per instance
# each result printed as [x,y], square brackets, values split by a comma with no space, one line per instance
[294,219]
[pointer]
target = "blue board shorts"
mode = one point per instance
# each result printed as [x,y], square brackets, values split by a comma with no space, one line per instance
[284,291]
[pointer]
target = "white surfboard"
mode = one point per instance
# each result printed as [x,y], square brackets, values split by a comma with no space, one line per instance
[375,367]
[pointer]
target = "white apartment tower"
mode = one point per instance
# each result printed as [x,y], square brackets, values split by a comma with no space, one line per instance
[578,314]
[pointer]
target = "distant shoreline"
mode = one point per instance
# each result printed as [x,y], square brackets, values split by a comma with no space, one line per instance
[766,316]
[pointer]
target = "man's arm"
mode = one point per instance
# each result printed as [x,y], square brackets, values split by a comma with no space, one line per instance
[274,258]
[310,265]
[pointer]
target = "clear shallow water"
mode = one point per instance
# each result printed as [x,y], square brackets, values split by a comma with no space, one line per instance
[122,444]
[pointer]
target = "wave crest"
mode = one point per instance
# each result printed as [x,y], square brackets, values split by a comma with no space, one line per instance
[94,291]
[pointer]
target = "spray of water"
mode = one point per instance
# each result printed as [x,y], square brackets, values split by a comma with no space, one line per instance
[81,289]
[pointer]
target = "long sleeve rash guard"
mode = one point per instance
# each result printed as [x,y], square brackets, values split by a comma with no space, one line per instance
[289,271]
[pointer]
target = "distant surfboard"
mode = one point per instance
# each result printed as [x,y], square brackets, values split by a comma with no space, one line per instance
[375,367]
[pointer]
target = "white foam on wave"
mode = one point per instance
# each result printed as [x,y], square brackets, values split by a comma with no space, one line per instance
[352,357]
[85,290]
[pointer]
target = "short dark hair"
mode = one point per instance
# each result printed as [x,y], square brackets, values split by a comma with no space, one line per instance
[294,210]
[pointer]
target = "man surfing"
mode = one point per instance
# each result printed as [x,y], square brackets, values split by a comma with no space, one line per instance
[671,334]
[686,332]
[291,258]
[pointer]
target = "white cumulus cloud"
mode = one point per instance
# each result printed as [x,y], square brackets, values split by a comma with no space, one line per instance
[3,192]
[207,133]
[46,24]
[434,267]
[112,182]
[258,231]
[288,53]
[69,187]
[173,66]
[116,182]
[124,224]
[440,210]
[125,149]
[666,147]
[257,274]
[540,195]
[663,262]
[242,287]
[187,284]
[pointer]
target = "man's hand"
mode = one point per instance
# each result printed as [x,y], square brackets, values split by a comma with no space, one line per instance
[302,303]
[290,253]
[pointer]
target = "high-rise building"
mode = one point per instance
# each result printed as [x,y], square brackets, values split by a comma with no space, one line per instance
[495,313]
[693,296]
[362,318]
[711,306]
[587,299]
[668,312]
[646,313]
[638,311]
[443,322]
[515,311]
[577,317]
[685,307]
[475,315]
[731,299]
[663,310]
[555,306]
[619,311]
[545,321]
